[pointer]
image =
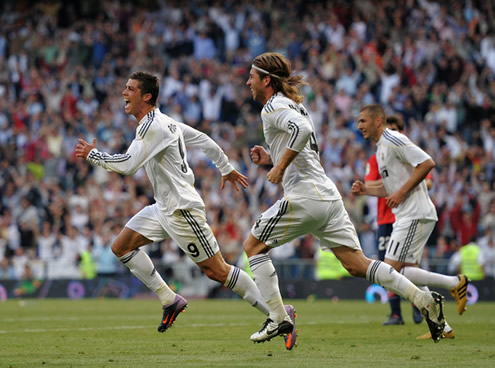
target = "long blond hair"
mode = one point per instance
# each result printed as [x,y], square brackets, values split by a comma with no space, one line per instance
[279,69]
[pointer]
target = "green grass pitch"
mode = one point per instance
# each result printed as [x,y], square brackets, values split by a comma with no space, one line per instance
[215,333]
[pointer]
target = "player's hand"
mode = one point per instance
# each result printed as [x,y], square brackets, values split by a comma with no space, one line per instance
[234,177]
[83,148]
[275,175]
[260,156]
[358,188]
[395,199]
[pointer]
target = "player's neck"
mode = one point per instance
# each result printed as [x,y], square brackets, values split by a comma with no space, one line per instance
[268,95]
[143,112]
[379,133]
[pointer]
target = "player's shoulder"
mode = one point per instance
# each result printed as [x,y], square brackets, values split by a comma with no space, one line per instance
[164,123]
[147,123]
[276,102]
[395,138]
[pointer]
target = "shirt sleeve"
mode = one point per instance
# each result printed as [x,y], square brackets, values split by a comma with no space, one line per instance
[195,138]
[294,123]
[411,153]
[148,142]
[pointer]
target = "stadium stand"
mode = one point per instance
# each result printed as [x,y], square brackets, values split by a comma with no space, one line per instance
[62,70]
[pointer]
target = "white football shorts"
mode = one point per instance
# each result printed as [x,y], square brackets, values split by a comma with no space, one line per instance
[290,218]
[188,228]
[408,240]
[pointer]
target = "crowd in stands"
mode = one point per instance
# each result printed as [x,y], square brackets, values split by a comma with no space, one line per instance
[63,66]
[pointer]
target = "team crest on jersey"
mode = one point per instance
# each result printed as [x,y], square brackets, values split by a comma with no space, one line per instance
[172,128]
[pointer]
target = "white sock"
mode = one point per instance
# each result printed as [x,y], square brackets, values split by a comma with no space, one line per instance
[266,279]
[142,267]
[385,275]
[447,327]
[240,283]
[422,277]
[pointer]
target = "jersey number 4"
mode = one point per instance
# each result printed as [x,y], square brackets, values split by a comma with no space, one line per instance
[183,166]
[313,143]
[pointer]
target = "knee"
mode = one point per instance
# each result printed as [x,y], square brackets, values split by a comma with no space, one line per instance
[354,269]
[252,246]
[117,250]
[120,248]
[215,274]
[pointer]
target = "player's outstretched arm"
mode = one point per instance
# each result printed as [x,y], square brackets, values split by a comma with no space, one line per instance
[83,148]
[235,177]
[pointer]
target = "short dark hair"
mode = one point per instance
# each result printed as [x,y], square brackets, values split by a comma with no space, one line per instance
[396,120]
[148,83]
[375,110]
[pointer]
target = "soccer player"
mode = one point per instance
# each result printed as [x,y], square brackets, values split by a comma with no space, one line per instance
[403,167]
[385,219]
[311,201]
[179,211]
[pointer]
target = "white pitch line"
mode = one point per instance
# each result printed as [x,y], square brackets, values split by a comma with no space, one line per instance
[38,330]
[190,325]
[41,330]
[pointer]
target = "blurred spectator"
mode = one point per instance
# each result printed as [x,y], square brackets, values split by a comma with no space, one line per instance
[204,48]
[7,271]
[466,261]
[46,242]
[107,264]
[442,253]
[433,64]
[367,237]
[464,218]
[486,258]
[87,265]
[27,218]
[28,284]
[19,262]
[328,267]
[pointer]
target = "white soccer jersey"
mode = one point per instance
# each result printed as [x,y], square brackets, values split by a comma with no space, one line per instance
[397,157]
[287,124]
[160,146]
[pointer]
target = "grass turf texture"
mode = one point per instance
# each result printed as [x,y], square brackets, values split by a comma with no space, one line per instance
[215,333]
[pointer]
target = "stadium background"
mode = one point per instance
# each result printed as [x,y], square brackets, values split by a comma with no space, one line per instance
[63,67]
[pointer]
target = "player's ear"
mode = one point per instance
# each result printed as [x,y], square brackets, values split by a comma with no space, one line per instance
[267,80]
[147,97]
[379,120]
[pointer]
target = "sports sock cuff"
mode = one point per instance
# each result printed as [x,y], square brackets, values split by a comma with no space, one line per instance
[258,260]
[128,256]
[232,277]
[371,271]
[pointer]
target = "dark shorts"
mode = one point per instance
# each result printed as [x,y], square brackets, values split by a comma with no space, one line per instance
[382,239]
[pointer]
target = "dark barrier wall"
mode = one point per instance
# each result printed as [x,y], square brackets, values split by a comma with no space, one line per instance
[129,287]
[356,288]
